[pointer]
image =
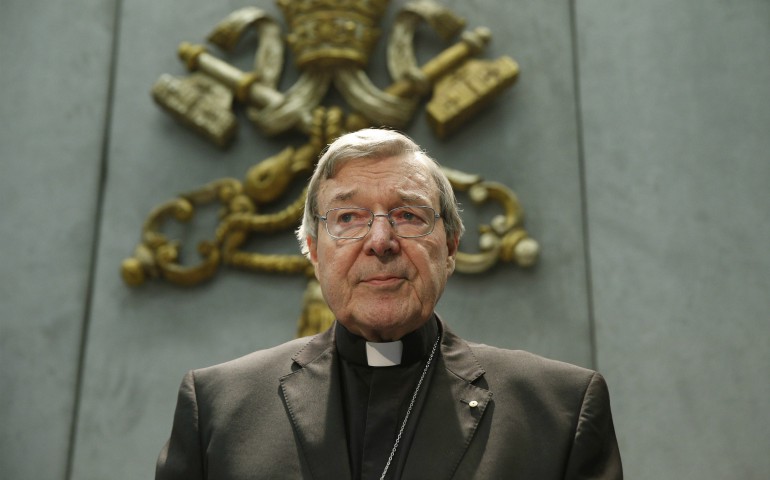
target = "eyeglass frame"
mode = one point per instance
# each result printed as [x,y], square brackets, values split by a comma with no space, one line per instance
[324,217]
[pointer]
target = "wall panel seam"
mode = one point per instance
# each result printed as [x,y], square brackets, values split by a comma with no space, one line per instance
[583,184]
[96,236]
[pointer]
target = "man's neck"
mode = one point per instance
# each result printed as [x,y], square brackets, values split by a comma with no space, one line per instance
[411,348]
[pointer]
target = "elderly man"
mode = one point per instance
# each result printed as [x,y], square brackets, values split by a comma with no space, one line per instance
[388,391]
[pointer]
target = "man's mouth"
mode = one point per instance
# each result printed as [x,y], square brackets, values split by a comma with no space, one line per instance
[382,280]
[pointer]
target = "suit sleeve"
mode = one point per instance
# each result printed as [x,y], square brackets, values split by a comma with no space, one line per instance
[181,457]
[595,453]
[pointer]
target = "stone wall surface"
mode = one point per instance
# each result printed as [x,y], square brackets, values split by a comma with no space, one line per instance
[675,113]
[54,80]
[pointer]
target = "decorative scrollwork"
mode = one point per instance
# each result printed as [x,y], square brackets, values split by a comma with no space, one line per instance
[504,238]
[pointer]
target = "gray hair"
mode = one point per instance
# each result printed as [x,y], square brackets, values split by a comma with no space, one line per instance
[373,143]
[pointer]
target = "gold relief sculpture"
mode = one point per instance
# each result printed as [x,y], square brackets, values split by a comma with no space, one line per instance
[504,238]
[331,41]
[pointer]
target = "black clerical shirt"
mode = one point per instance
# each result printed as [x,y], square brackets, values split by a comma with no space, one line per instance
[376,399]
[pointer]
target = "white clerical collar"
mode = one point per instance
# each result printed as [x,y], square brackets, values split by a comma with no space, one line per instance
[384,354]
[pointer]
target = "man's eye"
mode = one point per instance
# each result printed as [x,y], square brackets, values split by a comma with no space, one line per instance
[407,216]
[351,217]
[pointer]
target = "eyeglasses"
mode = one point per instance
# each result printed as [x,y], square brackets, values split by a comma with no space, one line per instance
[353,222]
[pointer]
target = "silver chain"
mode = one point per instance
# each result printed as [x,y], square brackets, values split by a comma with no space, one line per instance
[409,410]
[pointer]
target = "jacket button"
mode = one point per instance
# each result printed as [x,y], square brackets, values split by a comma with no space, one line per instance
[473,404]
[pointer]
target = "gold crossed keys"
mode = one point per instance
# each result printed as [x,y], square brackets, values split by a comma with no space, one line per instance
[331,41]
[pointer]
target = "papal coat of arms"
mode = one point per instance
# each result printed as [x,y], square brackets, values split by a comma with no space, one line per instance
[331,42]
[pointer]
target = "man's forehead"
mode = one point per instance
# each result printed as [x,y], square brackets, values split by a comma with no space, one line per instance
[411,184]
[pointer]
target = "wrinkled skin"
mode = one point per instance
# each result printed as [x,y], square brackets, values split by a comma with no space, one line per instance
[382,287]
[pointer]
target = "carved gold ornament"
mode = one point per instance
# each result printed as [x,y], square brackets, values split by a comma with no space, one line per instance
[332,41]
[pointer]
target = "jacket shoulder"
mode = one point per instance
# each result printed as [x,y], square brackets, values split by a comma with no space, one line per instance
[525,371]
[270,363]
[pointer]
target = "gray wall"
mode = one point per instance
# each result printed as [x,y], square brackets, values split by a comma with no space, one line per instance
[636,138]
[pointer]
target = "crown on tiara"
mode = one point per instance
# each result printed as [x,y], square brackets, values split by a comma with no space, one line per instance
[329,33]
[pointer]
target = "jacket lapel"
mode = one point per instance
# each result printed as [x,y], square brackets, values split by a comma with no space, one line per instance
[314,402]
[447,422]
[450,414]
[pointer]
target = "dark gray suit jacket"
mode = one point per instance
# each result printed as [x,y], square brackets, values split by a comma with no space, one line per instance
[277,414]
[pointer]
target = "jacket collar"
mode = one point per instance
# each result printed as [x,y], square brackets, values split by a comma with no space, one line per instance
[455,406]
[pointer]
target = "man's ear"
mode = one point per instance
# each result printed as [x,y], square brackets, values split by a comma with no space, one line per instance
[452,245]
[312,248]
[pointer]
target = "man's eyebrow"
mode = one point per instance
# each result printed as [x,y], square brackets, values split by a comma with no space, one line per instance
[344,196]
[412,198]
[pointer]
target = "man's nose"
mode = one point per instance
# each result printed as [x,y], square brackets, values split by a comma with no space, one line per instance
[382,239]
